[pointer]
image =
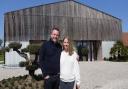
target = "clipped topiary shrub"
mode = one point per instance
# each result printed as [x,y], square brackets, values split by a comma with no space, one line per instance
[25,50]
[6,49]
[33,48]
[23,63]
[15,45]
[31,67]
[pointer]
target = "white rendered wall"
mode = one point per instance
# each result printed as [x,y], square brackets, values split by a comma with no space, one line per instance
[12,57]
[106,47]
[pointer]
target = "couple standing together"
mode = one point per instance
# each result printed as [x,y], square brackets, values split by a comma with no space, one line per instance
[59,64]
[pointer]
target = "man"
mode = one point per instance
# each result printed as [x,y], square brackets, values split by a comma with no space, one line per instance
[49,60]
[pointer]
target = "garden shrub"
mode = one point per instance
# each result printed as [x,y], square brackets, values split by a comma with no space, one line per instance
[21,83]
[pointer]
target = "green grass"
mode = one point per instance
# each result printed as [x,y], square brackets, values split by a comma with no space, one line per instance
[1,57]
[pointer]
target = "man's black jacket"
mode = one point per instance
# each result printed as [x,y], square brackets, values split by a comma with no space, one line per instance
[49,57]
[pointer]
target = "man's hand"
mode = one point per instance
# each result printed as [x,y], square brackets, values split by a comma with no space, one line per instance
[47,77]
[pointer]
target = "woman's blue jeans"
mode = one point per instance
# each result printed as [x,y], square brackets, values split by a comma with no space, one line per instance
[66,85]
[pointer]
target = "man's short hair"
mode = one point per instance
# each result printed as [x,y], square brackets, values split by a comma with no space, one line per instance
[55,28]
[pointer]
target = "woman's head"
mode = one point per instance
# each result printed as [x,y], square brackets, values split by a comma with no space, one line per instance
[67,45]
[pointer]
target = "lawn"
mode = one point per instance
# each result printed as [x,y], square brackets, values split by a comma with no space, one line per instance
[1,57]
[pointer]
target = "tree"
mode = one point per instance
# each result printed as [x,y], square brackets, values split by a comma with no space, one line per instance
[119,51]
[84,53]
[16,46]
[31,65]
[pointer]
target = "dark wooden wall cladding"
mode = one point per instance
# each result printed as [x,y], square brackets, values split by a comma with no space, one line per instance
[74,19]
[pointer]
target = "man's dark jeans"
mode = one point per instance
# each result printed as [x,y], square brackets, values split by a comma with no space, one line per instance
[52,82]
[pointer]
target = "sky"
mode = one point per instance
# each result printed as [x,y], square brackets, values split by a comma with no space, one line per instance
[117,8]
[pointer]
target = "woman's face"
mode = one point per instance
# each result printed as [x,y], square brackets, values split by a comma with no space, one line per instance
[66,44]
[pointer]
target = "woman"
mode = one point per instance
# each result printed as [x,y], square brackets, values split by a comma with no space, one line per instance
[69,67]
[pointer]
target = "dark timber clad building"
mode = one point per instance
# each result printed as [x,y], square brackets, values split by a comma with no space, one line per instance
[85,25]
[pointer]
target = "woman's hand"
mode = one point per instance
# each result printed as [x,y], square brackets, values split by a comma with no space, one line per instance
[77,58]
[77,86]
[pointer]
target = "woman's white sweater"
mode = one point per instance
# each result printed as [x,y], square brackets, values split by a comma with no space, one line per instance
[69,67]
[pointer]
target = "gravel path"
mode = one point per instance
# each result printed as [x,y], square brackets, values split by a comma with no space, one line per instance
[94,75]
[8,72]
[104,75]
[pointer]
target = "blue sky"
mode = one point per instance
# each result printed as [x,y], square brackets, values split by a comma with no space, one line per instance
[117,8]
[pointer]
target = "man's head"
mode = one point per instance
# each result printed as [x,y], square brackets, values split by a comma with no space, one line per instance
[55,34]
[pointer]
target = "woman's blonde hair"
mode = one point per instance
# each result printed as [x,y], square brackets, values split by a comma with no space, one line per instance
[71,49]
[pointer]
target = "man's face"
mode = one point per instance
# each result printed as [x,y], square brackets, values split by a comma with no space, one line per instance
[54,36]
